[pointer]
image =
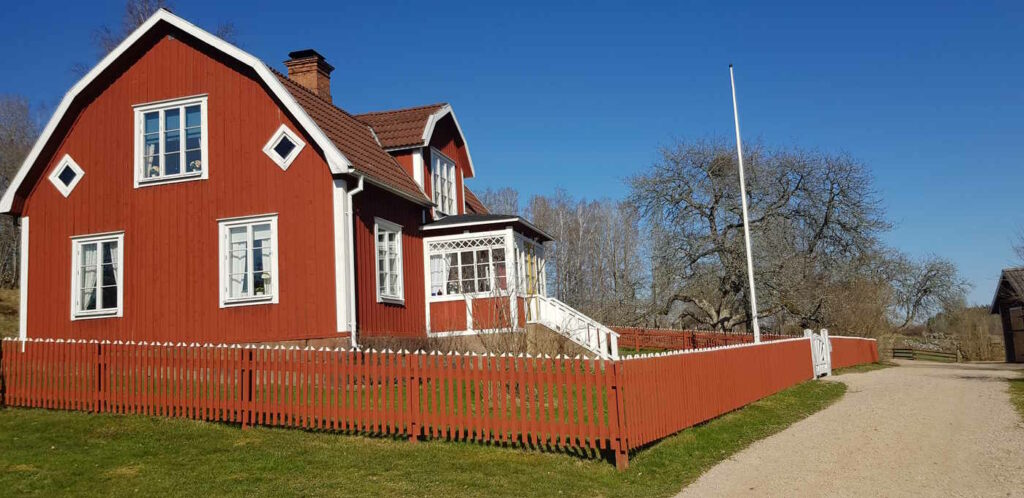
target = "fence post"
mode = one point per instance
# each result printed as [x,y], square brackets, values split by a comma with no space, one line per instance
[246,392]
[97,401]
[412,360]
[615,406]
[3,375]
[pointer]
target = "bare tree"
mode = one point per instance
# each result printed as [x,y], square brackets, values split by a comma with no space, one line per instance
[18,131]
[921,288]
[501,201]
[136,12]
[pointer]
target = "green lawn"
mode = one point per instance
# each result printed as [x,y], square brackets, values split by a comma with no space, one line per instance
[867,367]
[1017,395]
[61,453]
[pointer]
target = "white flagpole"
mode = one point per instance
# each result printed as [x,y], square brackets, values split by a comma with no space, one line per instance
[743,200]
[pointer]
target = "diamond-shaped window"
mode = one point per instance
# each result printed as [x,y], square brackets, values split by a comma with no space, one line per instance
[284,146]
[66,175]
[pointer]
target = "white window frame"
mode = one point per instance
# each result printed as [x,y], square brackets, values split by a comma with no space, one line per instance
[224,226]
[76,248]
[444,199]
[282,132]
[66,162]
[163,105]
[381,225]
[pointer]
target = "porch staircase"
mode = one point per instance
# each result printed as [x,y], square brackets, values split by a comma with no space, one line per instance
[573,325]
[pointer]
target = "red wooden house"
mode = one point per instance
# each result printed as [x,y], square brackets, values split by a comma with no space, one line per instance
[184,191]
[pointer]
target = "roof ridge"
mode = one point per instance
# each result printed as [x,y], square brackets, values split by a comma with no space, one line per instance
[313,94]
[403,109]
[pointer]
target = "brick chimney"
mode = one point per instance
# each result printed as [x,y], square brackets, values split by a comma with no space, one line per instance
[309,69]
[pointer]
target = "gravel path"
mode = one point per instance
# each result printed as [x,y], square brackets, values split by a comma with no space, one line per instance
[922,429]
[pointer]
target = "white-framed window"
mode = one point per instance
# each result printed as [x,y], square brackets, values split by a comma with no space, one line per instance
[248,260]
[388,237]
[66,175]
[171,141]
[97,275]
[283,147]
[470,270]
[443,180]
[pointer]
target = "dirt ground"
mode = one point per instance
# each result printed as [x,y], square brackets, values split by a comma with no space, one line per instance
[922,429]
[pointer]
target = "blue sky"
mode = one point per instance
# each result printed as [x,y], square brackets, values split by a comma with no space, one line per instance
[580,95]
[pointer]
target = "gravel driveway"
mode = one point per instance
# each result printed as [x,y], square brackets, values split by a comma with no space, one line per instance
[923,429]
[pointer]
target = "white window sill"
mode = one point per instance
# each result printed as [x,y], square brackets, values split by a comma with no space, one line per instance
[391,300]
[149,182]
[474,295]
[93,315]
[248,301]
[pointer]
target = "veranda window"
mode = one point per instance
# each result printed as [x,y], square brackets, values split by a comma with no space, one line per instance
[464,267]
[249,272]
[97,276]
[443,182]
[170,141]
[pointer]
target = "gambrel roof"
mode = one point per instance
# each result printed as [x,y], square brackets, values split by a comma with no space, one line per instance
[348,145]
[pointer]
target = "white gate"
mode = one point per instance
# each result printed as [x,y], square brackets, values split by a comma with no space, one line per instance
[821,352]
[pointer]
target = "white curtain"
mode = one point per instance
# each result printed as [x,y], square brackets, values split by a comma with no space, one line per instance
[88,269]
[437,274]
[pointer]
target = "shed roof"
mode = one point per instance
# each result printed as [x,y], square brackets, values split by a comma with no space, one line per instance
[1010,288]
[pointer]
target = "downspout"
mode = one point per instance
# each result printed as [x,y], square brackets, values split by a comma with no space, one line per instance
[352,260]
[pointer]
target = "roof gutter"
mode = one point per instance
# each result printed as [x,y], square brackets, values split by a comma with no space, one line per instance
[352,260]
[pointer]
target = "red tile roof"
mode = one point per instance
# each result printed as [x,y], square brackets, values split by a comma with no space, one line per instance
[356,141]
[473,204]
[400,127]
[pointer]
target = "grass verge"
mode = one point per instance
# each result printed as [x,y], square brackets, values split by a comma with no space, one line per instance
[1017,395]
[867,367]
[68,453]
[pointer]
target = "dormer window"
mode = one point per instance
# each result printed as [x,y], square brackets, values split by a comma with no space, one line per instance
[170,141]
[284,146]
[66,175]
[442,182]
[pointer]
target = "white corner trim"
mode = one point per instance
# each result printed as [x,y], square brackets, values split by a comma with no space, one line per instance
[428,131]
[66,162]
[378,224]
[417,167]
[23,283]
[76,242]
[283,132]
[223,227]
[341,247]
[336,161]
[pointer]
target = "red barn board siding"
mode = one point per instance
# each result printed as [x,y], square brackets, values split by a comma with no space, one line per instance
[492,313]
[408,320]
[171,232]
[404,158]
[448,316]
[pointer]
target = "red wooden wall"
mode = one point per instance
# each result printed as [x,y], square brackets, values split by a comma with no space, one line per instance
[448,316]
[171,233]
[375,319]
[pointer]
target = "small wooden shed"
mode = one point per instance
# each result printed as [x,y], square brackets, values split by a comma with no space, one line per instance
[1008,303]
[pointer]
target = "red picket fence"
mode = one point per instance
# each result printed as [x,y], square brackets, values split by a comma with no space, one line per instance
[641,338]
[667,393]
[850,351]
[595,405]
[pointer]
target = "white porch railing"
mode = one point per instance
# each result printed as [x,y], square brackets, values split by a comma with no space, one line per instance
[573,325]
